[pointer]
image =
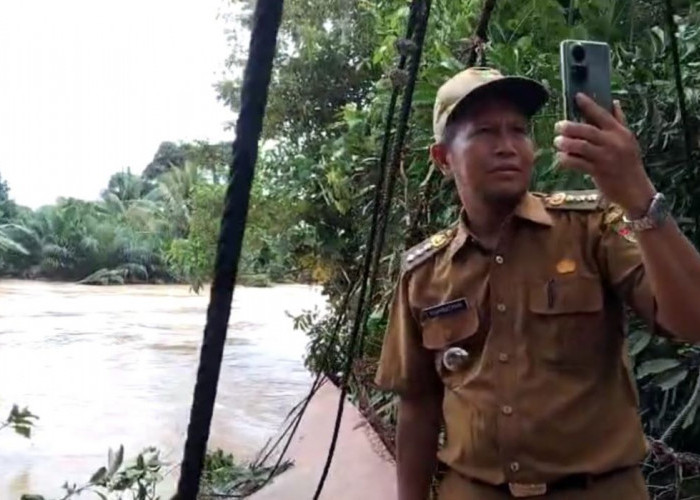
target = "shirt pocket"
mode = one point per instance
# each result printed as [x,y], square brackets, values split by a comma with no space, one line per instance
[455,330]
[566,324]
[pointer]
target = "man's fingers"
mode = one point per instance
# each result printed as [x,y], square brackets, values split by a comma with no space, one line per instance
[580,131]
[593,113]
[619,114]
[578,147]
[573,162]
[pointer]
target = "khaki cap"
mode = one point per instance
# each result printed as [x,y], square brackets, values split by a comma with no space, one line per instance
[473,83]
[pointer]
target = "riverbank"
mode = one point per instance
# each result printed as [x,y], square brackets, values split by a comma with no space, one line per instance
[249,280]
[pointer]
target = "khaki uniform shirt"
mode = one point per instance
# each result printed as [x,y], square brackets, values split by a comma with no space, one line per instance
[546,390]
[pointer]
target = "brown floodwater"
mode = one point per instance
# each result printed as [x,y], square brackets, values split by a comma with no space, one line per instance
[104,366]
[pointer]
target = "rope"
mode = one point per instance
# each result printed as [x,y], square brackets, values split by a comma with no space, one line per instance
[570,12]
[267,18]
[673,33]
[405,47]
[481,34]
[294,424]
[419,38]
[380,188]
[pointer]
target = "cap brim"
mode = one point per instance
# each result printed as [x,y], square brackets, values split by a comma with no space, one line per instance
[528,95]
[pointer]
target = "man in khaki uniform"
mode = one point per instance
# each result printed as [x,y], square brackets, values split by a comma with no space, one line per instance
[509,327]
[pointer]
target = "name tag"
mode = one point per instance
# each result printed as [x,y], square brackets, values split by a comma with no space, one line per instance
[446,309]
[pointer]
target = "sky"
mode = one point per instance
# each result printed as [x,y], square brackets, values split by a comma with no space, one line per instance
[92,87]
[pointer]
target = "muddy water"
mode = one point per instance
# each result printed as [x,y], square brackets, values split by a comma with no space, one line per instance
[108,366]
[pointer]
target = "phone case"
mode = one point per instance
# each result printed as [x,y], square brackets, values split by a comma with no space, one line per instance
[585,68]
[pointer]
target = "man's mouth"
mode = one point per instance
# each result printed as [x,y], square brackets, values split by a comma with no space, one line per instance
[505,169]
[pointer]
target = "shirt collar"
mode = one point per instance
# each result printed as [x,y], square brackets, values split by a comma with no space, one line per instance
[530,208]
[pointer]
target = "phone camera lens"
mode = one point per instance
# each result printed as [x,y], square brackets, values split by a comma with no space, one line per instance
[578,53]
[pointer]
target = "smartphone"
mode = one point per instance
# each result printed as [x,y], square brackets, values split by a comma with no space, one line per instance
[585,68]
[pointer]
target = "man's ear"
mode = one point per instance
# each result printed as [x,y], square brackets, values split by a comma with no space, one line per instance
[438,153]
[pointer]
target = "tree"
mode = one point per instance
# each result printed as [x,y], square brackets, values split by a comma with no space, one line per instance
[8,208]
[168,156]
[127,186]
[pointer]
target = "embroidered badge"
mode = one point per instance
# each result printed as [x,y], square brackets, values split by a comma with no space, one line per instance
[566,266]
[446,309]
[438,240]
[626,233]
[614,215]
[556,199]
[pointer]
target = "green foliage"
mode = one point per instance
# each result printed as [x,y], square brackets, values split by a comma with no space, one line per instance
[117,480]
[139,478]
[168,156]
[223,476]
[20,420]
[8,209]
[193,257]
[74,239]
[161,228]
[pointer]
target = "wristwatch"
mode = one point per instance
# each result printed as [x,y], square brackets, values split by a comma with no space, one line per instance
[656,214]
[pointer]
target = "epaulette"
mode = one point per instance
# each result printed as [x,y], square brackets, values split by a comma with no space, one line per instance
[420,253]
[575,200]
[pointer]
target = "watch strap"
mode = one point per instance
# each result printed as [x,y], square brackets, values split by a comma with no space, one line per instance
[655,215]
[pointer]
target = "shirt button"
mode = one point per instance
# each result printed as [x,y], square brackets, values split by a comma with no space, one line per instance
[507,410]
[501,308]
[503,357]
[499,259]
[514,466]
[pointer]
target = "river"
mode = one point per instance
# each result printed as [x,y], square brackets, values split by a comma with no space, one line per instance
[104,366]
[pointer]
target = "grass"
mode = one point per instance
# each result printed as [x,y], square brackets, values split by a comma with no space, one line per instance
[224,477]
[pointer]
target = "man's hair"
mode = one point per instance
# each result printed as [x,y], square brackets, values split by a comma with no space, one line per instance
[451,128]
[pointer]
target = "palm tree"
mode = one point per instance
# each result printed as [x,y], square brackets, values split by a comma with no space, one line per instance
[7,242]
[174,193]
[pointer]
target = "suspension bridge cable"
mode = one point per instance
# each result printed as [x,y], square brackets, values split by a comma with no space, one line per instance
[414,66]
[266,23]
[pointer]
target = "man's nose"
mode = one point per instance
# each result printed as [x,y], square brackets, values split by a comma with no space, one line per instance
[505,144]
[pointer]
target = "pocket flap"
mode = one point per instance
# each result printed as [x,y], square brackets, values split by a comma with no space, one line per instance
[566,295]
[441,331]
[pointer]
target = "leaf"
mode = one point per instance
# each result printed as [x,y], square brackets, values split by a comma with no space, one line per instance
[99,475]
[654,366]
[639,344]
[23,430]
[671,378]
[115,461]
[659,34]
[690,417]
[13,413]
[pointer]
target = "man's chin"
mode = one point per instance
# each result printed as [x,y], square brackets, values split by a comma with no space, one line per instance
[505,196]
